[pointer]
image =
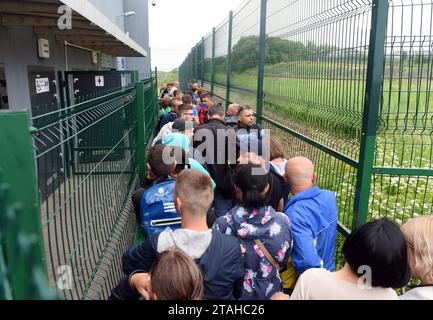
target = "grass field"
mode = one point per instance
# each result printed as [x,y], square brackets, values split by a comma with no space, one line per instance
[168,77]
[325,102]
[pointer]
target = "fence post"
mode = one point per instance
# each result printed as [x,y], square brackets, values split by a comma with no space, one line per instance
[229,60]
[156,100]
[374,83]
[262,54]
[189,69]
[186,68]
[212,84]
[156,81]
[66,144]
[136,76]
[141,152]
[196,63]
[20,221]
[202,61]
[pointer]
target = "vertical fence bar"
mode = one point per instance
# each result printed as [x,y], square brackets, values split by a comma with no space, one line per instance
[212,84]
[20,227]
[155,109]
[181,75]
[156,81]
[152,105]
[202,61]
[186,68]
[229,60]
[196,63]
[262,53]
[189,67]
[374,82]
[63,103]
[155,102]
[135,76]
[141,152]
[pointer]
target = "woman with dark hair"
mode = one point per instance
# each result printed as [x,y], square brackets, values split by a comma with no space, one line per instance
[173,276]
[376,262]
[265,235]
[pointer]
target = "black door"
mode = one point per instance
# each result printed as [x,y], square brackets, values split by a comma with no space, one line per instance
[95,143]
[43,99]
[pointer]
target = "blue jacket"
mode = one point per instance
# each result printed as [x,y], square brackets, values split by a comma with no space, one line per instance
[272,228]
[313,214]
[157,209]
[222,267]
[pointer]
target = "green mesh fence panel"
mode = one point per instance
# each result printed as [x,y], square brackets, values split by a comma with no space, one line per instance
[321,62]
[87,166]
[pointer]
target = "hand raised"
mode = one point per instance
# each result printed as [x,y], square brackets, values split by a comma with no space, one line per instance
[141,283]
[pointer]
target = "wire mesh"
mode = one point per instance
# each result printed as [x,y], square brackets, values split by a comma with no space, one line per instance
[405,125]
[81,210]
[315,89]
[207,62]
[245,53]
[220,61]
[87,167]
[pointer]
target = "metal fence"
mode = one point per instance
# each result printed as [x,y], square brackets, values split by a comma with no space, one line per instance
[66,177]
[345,83]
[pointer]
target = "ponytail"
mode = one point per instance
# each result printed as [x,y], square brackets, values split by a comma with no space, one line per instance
[252,186]
[254,199]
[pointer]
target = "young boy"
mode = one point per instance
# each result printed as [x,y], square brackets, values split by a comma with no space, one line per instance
[218,256]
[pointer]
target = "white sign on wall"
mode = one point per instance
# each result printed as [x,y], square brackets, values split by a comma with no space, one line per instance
[42,85]
[99,81]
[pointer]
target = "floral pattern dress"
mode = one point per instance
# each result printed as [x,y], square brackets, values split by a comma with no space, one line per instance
[273,229]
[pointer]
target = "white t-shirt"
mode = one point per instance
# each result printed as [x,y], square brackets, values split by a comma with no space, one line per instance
[280,167]
[165,131]
[420,293]
[321,284]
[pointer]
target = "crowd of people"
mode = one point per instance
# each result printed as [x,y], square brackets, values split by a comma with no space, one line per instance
[227,216]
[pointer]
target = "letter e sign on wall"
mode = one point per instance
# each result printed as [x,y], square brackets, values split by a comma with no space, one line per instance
[99,81]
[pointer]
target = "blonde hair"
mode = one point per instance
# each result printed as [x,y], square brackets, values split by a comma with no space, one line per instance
[194,188]
[418,233]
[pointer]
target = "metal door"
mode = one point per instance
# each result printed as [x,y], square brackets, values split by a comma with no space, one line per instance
[43,100]
[95,144]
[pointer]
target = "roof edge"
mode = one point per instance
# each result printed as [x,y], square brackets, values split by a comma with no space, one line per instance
[91,13]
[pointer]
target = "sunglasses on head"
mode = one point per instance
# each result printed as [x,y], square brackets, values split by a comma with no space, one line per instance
[245,107]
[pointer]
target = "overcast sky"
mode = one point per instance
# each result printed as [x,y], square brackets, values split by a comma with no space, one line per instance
[177,25]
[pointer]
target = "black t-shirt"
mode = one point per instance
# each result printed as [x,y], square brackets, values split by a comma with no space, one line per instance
[275,193]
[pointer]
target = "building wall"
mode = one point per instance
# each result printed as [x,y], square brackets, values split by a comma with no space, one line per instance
[138,28]
[112,9]
[18,51]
